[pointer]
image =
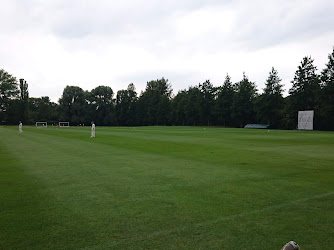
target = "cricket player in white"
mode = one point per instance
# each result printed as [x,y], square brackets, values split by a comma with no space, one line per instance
[20,127]
[93,131]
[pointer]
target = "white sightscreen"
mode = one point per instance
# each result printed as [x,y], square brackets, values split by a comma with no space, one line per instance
[305,120]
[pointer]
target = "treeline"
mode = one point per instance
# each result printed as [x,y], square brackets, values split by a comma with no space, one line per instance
[231,104]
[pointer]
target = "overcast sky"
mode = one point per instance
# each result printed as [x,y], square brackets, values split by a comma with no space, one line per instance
[86,43]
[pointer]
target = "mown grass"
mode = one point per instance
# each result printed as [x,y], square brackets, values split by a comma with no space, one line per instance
[165,188]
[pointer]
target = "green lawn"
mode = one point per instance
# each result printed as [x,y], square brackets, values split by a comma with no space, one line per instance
[165,188]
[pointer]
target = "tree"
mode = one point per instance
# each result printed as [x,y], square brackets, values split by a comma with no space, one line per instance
[72,105]
[24,100]
[100,102]
[24,90]
[133,104]
[305,85]
[178,107]
[207,101]
[224,102]
[153,104]
[8,92]
[163,110]
[327,94]
[305,88]
[288,120]
[125,109]
[193,106]
[271,102]
[161,86]
[42,109]
[243,106]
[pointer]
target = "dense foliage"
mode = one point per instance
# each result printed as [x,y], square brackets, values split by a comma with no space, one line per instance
[232,104]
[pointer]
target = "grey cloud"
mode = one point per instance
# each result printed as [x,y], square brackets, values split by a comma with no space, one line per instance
[77,19]
[152,27]
[283,25]
[179,80]
[255,27]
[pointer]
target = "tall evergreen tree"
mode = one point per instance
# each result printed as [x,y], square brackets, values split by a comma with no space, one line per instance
[133,104]
[193,106]
[271,102]
[207,102]
[24,100]
[305,85]
[305,88]
[153,104]
[243,106]
[125,108]
[179,103]
[224,102]
[161,86]
[164,111]
[327,94]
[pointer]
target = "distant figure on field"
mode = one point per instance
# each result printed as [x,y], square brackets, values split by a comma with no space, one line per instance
[93,131]
[291,246]
[20,127]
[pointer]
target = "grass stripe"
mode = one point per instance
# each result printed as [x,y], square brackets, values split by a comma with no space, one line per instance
[164,233]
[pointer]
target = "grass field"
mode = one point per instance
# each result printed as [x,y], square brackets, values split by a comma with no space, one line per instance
[165,188]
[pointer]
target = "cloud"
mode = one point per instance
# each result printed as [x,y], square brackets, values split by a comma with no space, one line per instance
[281,22]
[89,43]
